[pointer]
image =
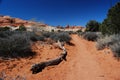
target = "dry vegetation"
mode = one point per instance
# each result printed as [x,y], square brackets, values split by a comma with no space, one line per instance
[104,41]
[18,44]
[15,44]
[111,42]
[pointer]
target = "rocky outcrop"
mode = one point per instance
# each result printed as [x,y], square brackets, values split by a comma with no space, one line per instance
[15,22]
[19,21]
[9,21]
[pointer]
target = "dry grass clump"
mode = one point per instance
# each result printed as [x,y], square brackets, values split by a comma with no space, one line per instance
[112,42]
[107,41]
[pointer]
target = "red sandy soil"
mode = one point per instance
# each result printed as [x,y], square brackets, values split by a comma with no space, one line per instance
[84,62]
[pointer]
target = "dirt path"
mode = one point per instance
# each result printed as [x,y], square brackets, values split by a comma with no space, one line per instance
[84,62]
[83,66]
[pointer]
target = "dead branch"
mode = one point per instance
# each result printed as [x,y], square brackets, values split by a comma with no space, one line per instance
[40,66]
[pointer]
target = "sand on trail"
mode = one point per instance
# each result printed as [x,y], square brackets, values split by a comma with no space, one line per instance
[84,62]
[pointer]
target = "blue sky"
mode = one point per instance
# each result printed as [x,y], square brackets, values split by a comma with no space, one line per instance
[57,12]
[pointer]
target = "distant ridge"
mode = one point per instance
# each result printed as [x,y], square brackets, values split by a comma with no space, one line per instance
[15,22]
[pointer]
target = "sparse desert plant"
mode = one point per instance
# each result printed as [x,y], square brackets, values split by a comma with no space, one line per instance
[111,42]
[16,45]
[103,42]
[4,28]
[62,36]
[90,36]
[47,34]
[71,32]
[37,38]
[4,34]
[115,48]
[40,38]
[107,41]
[21,28]
[81,34]
[78,31]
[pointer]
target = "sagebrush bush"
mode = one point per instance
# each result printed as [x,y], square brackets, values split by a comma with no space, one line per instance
[81,34]
[71,32]
[106,41]
[35,37]
[47,34]
[90,36]
[62,36]
[115,48]
[4,34]
[16,45]
[112,42]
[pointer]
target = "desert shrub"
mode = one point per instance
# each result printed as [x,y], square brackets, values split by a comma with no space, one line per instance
[81,34]
[37,38]
[115,48]
[52,30]
[59,30]
[40,38]
[78,31]
[62,36]
[4,34]
[92,26]
[16,45]
[4,28]
[47,34]
[90,36]
[71,32]
[32,35]
[21,28]
[107,41]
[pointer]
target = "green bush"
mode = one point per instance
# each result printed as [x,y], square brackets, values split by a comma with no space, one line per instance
[78,31]
[52,30]
[4,28]
[21,28]
[111,25]
[92,26]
